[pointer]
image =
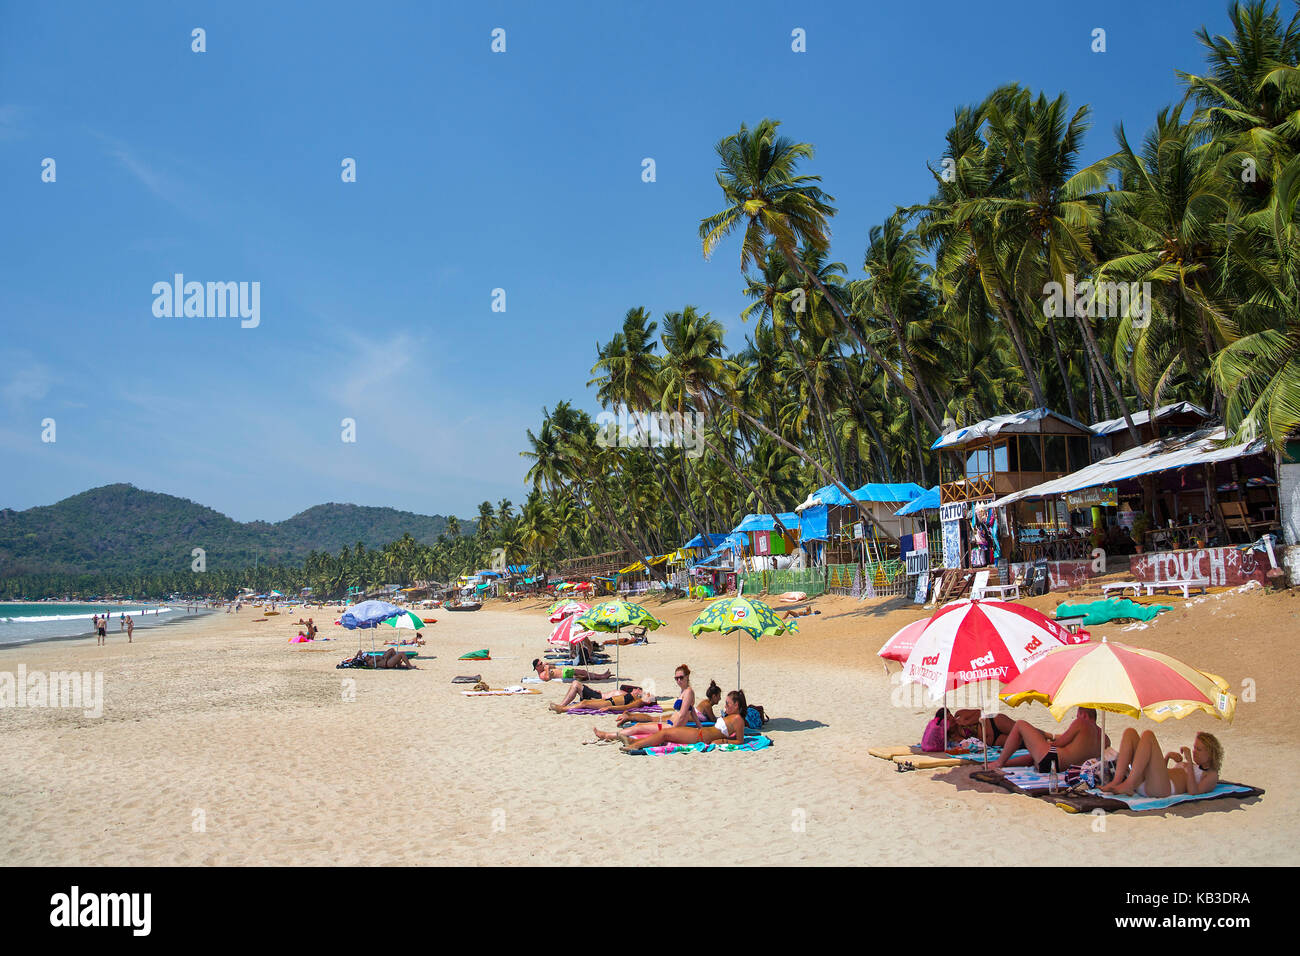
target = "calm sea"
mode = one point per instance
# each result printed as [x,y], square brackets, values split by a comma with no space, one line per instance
[23,623]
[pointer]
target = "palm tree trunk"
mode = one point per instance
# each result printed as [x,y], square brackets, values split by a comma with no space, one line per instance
[1060,364]
[861,339]
[866,513]
[1091,341]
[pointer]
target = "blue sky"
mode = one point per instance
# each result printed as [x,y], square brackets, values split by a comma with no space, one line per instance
[475,171]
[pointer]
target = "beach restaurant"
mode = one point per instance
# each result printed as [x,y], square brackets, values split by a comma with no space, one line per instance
[1194,494]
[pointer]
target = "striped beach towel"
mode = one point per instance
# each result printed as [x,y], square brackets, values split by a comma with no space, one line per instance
[758,742]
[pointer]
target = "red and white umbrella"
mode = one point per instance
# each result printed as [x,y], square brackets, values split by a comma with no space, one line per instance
[898,647]
[567,609]
[568,632]
[968,642]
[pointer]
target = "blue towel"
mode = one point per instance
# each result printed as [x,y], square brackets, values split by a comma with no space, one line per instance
[1160,803]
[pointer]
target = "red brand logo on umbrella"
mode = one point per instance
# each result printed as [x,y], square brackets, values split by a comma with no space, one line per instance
[1033,645]
[981,661]
[929,661]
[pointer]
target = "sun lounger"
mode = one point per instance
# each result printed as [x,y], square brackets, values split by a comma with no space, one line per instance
[408,651]
[1121,586]
[1185,586]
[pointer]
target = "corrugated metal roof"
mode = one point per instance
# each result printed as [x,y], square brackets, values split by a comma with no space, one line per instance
[1112,425]
[1199,448]
[1027,422]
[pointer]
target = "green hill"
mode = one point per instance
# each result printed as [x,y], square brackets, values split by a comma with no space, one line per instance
[122,529]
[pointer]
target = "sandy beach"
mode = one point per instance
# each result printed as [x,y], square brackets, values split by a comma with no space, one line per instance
[222,744]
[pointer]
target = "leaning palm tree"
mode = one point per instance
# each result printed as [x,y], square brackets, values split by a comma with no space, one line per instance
[768,199]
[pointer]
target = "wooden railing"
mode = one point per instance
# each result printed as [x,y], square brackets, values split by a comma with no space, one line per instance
[969,489]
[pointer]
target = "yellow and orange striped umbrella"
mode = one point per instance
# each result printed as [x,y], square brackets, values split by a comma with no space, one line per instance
[1123,680]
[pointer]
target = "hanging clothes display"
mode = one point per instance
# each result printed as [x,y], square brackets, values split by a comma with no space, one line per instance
[763,542]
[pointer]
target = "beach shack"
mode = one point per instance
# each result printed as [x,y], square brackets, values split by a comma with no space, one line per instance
[834,531]
[1181,505]
[995,458]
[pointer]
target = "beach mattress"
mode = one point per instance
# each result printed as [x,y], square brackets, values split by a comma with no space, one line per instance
[498,693]
[408,651]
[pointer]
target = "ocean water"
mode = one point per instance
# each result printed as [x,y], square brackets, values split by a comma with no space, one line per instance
[47,621]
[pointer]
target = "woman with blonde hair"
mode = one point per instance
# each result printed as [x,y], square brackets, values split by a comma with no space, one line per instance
[1142,768]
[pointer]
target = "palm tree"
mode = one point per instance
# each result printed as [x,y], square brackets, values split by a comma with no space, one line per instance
[775,205]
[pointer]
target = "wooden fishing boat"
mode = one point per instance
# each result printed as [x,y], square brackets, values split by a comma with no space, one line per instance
[467,606]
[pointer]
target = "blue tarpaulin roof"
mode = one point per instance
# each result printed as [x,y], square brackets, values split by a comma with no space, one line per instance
[872,491]
[518,568]
[705,541]
[926,502]
[733,541]
[813,524]
[765,522]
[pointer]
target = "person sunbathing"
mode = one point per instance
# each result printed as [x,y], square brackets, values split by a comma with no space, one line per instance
[729,729]
[394,659]
[417,641]
[992,730]
[1081,740]
[615,703]
[557,672]
[799,612]
[685,711]
[1143,770]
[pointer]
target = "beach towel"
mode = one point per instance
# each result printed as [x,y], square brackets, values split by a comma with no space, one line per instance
[1023,781]
[470,679]
[483,655]
[503,692]
[757,742]
[1111,609]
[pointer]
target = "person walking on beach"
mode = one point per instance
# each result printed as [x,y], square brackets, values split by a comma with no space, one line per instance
[121,622]
[102,629]
[130,629]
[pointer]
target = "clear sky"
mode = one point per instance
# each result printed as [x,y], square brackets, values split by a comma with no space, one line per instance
[475,171]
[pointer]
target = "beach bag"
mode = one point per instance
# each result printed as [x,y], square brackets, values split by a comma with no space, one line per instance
[932,741]
[755,718]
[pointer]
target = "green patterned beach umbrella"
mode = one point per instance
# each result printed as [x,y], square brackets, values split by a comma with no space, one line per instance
[744,616]
[615,615]
[407,619]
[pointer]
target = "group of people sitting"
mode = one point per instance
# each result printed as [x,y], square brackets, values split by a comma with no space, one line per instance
[693,720]
[1141,767]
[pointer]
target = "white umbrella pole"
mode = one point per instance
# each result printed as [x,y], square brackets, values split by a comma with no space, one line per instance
[1101,758]
[739,635]
[618,653]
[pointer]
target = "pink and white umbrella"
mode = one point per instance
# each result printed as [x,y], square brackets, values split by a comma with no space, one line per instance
[968,642]
[570,608]
[568,632]
[898,647]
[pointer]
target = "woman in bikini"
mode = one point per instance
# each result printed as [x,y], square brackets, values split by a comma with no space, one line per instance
[1143,770]
[685,711]
[730,729]
[992,730]
[615,703]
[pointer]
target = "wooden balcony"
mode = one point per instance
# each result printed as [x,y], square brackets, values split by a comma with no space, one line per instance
[967,489]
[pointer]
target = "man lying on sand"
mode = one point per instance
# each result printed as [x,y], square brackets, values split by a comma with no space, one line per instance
[1081,740]
[557,672]
[615,703]
[798,612]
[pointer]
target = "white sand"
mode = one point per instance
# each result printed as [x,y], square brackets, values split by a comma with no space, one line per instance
[221,722]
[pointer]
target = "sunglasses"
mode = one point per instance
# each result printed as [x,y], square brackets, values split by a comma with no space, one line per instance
[679,677]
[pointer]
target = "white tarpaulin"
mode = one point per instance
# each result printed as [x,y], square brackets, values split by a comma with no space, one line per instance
[1024,423]
[1199,448]
[1112,425]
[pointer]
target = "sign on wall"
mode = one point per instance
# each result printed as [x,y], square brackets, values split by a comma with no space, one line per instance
[953,511]
[918,562]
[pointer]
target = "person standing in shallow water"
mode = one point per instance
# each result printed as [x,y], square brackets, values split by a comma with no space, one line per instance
[130,629]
